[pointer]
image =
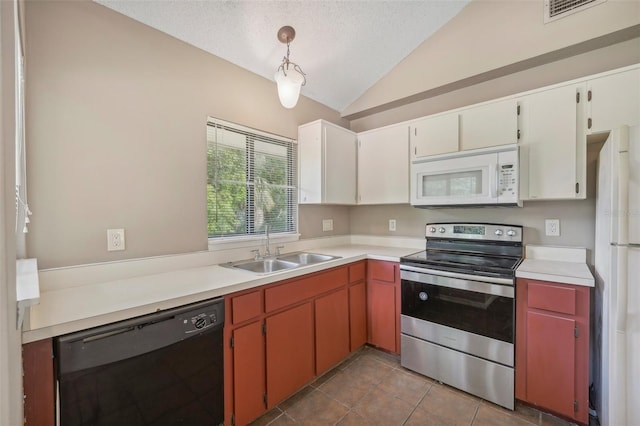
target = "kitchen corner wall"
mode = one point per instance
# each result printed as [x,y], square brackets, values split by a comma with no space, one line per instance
[310,219]
[116,133]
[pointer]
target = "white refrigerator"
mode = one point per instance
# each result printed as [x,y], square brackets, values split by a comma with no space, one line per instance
[617,265]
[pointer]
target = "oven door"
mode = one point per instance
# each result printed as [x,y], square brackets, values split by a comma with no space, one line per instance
[456,311]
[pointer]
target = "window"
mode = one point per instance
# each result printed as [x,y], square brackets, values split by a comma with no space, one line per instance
[251,181]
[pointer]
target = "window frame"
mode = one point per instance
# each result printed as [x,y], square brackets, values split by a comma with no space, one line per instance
[250,239]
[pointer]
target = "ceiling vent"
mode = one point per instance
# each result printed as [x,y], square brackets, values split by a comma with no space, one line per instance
[556,9]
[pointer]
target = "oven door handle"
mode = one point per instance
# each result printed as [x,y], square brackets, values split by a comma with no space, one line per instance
[481,278]
[457,281]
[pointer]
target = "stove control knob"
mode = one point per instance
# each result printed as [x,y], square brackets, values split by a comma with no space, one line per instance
[511,232]
[432,229]
[498,232]
[441,230]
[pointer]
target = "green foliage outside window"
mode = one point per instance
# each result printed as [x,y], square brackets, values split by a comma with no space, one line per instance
[250,183]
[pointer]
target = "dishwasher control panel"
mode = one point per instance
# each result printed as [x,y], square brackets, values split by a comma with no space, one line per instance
[201,319]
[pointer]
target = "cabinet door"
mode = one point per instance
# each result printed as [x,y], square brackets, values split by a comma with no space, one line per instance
[310,163]
[289,340]
[38,383]
[434,135]
[383,166]
[488,125]
[382,315]
[332,329]
[339,168]
[614,101]
[551,351]
[248,372]
[358,315]
[553,145]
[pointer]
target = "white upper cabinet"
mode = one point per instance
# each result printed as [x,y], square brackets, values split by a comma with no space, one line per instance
[482,126]
[553,144]
[613,100]
[327,160]
[490,124]
[383,165]
[434,135]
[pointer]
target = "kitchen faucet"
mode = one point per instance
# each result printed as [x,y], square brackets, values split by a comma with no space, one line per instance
[267,252]
[267,246]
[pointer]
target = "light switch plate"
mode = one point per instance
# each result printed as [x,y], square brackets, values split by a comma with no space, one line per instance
[552,227]
[327,225]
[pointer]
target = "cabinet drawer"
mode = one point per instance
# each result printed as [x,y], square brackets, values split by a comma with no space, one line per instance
[356,272]
[551,297]
[246,307]
[295,291]
[382,271]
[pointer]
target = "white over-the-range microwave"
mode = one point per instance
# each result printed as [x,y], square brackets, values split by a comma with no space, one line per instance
[479,177]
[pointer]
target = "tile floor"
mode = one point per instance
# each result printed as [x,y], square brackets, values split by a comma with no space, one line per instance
[371,388]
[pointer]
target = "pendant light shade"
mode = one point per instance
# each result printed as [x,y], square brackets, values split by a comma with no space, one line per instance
[289,84]
[289,76]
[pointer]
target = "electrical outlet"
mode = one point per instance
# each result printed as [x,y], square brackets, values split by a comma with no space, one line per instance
[115,239]
[327,225]
[392,224]
[552,227]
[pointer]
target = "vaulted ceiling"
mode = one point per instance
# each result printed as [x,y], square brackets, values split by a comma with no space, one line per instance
[343,46]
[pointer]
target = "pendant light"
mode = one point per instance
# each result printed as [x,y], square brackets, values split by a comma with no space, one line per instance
[289,75]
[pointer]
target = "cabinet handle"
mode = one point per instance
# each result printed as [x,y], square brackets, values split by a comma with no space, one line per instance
[577,187]
[518,134]
[577,97]
[589,123]
[589,95]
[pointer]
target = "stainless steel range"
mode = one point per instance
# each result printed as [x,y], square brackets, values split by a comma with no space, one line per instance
[458,309]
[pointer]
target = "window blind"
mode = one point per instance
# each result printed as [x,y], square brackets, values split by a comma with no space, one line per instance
[251,181]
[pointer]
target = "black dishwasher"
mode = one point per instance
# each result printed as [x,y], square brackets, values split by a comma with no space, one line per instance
[164,368]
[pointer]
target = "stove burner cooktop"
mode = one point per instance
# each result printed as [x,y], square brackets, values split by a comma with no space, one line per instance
[477,249]
[464,263]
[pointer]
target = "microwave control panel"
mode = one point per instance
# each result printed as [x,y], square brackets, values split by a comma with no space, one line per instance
[507,179]
[508,176]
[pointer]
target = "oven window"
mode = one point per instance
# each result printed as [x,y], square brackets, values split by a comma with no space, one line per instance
[456,184]
[479,313]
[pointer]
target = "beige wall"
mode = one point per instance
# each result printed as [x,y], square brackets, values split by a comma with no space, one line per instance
[116,115]
[489,39]
[481,56]
[577,217]
[10,351]
[595,61]
[116,129]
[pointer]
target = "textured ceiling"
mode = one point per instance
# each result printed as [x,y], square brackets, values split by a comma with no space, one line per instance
[344,47]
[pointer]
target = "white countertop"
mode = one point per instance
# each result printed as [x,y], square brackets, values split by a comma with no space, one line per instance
[566,265]
[65,310]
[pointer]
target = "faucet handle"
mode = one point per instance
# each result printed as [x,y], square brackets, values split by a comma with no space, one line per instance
[278,250]
[257,253]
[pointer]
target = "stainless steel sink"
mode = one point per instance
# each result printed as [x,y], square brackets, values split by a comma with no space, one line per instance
[280,263]
[263,266]
[304,258]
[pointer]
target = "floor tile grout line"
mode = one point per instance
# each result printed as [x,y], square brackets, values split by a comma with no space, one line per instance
[416,406]
[380,358]
[475,413]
